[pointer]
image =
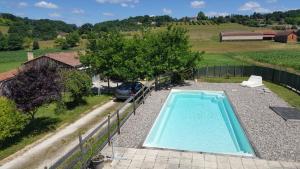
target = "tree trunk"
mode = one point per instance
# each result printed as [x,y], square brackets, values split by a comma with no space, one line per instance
[108,83]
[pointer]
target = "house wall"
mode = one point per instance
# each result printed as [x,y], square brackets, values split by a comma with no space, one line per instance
[292,38]
[240,38]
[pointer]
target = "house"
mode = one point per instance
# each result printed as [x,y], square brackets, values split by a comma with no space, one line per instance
[240,36]
[68,60]
[267,34]
[61,60]
[288,36]
[61,35]
[5,78]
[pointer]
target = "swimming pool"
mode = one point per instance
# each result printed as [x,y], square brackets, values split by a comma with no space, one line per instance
[200,121]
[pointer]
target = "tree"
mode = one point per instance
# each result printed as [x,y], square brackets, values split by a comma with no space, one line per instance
[104,53]
[12,122]
[14,42]
[27,43]
[85,28]
[201,16]
[3,42]
[78,83]
[35,45]
[72,39]
[169,51]
[34,87]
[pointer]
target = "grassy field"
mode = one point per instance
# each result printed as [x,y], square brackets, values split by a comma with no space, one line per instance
[219,59]
[206,38]
[282,59]
[47,120]
[4,29]
[288,95]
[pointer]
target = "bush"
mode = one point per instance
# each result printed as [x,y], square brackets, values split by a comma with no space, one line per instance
[77,83]
[35,45]
[12,122]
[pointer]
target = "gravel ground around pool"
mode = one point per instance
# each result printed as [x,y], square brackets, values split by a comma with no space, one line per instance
[272,137]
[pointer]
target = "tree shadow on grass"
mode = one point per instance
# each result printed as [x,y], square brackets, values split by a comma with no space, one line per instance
[37,126]
[73,104]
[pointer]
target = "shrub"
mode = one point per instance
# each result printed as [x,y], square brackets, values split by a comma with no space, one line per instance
[12,122]
[77,83]
[35,45]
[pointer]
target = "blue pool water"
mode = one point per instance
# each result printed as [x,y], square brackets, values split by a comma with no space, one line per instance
[201,121]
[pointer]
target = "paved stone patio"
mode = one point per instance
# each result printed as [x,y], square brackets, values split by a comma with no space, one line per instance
[272,137]
[131,158]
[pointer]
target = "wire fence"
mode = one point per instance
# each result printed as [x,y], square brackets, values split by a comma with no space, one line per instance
[89,146]
[273,75]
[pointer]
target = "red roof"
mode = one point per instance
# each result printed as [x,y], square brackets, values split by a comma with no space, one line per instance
[285,33]
[8,75]
[239,33]
[69,58]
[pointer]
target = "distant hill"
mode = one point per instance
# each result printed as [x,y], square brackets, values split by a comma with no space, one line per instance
[43,29]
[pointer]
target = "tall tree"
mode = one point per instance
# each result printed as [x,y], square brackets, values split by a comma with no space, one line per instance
[34,87]
[201,16]
[104,53]
[3,42]
[14,42]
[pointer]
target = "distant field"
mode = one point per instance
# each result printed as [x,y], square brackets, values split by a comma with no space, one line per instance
[206,38]
[217,59]
[4,29]
[280,58]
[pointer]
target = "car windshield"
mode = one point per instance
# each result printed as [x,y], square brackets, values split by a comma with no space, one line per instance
[126,86]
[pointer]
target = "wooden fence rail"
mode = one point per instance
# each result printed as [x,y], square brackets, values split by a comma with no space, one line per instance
[81,154]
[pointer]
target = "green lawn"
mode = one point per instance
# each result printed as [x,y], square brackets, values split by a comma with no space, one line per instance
[288,95]
[219,59]
[47,121]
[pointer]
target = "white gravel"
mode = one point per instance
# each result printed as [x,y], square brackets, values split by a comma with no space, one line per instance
[272,137]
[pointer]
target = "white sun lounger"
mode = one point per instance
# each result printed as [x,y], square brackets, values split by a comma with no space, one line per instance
[253,81]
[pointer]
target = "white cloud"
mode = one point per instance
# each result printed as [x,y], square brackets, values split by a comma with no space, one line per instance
[211,14]
[108,14]
[197,4]
[22,4]
[123,3]
[271,1]
[44,4]
[167,11]
[253,6]
[55,15]
[78,11]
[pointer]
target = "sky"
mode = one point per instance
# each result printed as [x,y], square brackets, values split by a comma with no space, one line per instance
[93,11]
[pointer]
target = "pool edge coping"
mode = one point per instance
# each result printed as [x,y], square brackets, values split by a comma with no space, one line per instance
[255,152]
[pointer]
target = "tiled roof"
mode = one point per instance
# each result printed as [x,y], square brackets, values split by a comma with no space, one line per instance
[239,33]
[8,75]
[284,33]
[69,58]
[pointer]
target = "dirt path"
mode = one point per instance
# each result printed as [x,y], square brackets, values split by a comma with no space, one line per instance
[49,150]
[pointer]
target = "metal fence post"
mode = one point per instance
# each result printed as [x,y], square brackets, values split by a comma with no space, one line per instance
[206,71]
[118,121]
[134,105]
[108,129]
[81,151]
[143,95]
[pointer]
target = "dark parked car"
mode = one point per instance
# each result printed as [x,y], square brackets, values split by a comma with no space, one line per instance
[128,89]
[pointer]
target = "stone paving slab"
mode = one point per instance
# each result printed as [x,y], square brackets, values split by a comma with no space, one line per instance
[130,158]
